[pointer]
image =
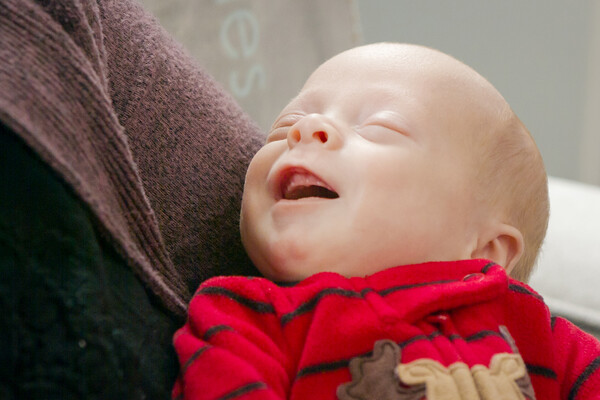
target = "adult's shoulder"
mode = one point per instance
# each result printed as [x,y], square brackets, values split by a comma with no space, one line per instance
[189,138]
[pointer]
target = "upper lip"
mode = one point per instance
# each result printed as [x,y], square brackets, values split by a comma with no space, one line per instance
[290,179]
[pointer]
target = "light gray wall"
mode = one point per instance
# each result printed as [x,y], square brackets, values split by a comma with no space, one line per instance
[537,53]
[261,51]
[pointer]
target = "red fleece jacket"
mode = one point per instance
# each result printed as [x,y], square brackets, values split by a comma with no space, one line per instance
[248,338]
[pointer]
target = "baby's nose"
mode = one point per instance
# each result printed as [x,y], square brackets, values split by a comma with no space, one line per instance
[314,128]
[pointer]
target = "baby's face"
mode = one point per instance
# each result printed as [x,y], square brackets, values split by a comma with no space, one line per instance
[367,168]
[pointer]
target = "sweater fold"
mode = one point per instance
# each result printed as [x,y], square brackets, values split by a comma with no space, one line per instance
[67,89]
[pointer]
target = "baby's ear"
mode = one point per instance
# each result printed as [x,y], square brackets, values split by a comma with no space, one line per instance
[502,244]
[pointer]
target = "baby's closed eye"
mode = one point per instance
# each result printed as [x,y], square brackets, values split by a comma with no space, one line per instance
[383,127]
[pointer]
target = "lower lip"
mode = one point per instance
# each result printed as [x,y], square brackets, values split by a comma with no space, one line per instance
[305,202]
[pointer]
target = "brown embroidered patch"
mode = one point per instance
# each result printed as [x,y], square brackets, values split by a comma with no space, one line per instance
[373,377]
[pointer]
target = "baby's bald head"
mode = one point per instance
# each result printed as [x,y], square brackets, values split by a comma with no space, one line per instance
[509,177]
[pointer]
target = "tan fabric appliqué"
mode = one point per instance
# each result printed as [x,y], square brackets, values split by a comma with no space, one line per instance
[380,377]
[503,380]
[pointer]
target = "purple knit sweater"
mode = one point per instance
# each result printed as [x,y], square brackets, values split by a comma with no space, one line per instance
[145,138]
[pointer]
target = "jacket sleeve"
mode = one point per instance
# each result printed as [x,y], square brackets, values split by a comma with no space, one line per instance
[232,344]
[578,361]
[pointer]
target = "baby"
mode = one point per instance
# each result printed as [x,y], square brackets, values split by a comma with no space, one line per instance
[394,195]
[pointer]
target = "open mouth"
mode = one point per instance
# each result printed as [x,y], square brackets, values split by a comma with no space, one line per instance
[299,184]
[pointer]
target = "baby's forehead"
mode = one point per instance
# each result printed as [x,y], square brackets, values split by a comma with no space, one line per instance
[391,68]
[391,61]
[391,58]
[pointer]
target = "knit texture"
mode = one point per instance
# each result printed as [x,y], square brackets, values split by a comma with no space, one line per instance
[146,139]
[329,335]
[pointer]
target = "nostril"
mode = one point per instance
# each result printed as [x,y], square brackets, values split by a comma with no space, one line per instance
[295,136]
[321,135]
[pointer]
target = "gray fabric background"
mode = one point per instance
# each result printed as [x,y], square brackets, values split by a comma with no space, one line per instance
[262,51]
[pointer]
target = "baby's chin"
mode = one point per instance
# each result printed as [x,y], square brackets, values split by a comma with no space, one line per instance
[294,271]
[293,274]
[281,274]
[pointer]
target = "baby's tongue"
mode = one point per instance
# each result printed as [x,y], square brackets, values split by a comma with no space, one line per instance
[303,185]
